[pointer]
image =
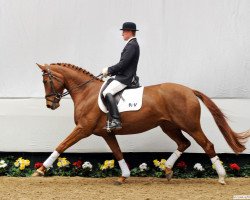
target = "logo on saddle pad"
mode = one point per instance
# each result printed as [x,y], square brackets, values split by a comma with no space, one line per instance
[127,100]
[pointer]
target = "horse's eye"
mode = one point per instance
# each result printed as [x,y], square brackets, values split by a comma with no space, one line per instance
[44,82]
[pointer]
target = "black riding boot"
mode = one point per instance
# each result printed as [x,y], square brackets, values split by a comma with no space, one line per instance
[114,122]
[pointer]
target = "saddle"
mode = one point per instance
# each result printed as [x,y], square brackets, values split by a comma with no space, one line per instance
[129,99]
[118,96]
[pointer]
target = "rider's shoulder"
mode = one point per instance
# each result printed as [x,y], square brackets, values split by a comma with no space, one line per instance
[132,43]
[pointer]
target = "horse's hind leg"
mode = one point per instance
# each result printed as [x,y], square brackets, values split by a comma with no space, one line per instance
[208,147]
[182,142]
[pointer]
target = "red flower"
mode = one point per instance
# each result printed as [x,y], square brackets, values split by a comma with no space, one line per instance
[78,164]
[234,166]
[38,165]
[181,164]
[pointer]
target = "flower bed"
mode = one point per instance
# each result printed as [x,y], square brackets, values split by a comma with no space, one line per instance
[20,167]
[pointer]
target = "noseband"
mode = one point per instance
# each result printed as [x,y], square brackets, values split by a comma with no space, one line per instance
[57,95]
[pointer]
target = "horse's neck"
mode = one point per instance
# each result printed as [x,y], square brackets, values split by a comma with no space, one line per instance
[74,78]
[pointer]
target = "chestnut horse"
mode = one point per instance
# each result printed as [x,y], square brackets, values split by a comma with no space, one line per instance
[173,107]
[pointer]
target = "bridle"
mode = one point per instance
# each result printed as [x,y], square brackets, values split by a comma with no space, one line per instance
[57,95]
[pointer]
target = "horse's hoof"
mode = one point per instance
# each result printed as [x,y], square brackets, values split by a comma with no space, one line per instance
[117,183]
[38,173]
[222,181]
[120,180]
[169,173]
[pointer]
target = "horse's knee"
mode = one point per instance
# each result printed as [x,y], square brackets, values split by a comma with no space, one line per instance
[62,147]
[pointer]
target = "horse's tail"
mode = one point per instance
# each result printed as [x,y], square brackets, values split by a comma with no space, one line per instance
[235,140]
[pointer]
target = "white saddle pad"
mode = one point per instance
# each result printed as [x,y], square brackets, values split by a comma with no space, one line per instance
[131,100]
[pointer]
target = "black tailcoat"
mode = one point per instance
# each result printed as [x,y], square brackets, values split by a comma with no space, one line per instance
[126,69]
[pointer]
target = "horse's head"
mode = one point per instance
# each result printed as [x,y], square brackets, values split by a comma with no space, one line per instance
[53,85]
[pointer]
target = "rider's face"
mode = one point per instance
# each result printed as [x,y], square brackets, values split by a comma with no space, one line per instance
[127,34]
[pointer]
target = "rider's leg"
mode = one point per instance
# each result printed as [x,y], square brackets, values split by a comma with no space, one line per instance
[113,110]
[114,87]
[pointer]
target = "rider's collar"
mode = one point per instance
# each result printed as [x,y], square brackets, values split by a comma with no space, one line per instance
[129,40]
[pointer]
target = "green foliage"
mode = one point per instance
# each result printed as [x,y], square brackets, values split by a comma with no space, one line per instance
[16,172]
[137,172]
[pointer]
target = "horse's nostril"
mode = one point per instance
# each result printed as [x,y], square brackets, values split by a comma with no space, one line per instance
[48,106]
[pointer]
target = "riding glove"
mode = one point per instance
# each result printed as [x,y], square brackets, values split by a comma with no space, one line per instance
[105,72]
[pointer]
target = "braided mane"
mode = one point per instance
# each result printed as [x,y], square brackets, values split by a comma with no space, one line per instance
[76,68]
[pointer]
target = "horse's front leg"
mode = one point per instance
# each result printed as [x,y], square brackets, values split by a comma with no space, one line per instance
[114,146]
[77,134]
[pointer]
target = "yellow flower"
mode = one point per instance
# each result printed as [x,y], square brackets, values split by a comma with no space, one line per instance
[59,164]
[163,161]
[108,164]
[22,163]
[22,166]
[62,162]
[27,163]
[162,166]
[102,167]
[111,164]
[16,164]
[62,159]
[156,162]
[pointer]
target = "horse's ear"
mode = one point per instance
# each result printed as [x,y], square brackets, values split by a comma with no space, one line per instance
[41,67]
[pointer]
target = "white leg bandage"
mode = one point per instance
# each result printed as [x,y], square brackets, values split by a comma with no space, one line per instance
[51,159]
[124,167]
[172,159]
[218,166]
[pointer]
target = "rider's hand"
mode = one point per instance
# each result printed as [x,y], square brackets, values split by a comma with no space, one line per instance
[105,72]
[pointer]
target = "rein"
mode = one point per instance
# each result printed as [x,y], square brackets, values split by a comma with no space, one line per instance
[57,95]
[82,84]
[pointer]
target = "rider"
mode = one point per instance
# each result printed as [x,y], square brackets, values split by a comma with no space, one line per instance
[124,71]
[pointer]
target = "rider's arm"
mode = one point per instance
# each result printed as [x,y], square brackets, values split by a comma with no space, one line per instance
[126,58]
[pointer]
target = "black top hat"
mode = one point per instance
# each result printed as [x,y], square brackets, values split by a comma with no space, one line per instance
[129,26]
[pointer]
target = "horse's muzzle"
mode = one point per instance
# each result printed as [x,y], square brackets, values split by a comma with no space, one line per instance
[52,105]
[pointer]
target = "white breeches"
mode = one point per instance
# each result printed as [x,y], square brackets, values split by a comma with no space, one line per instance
[114,87]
